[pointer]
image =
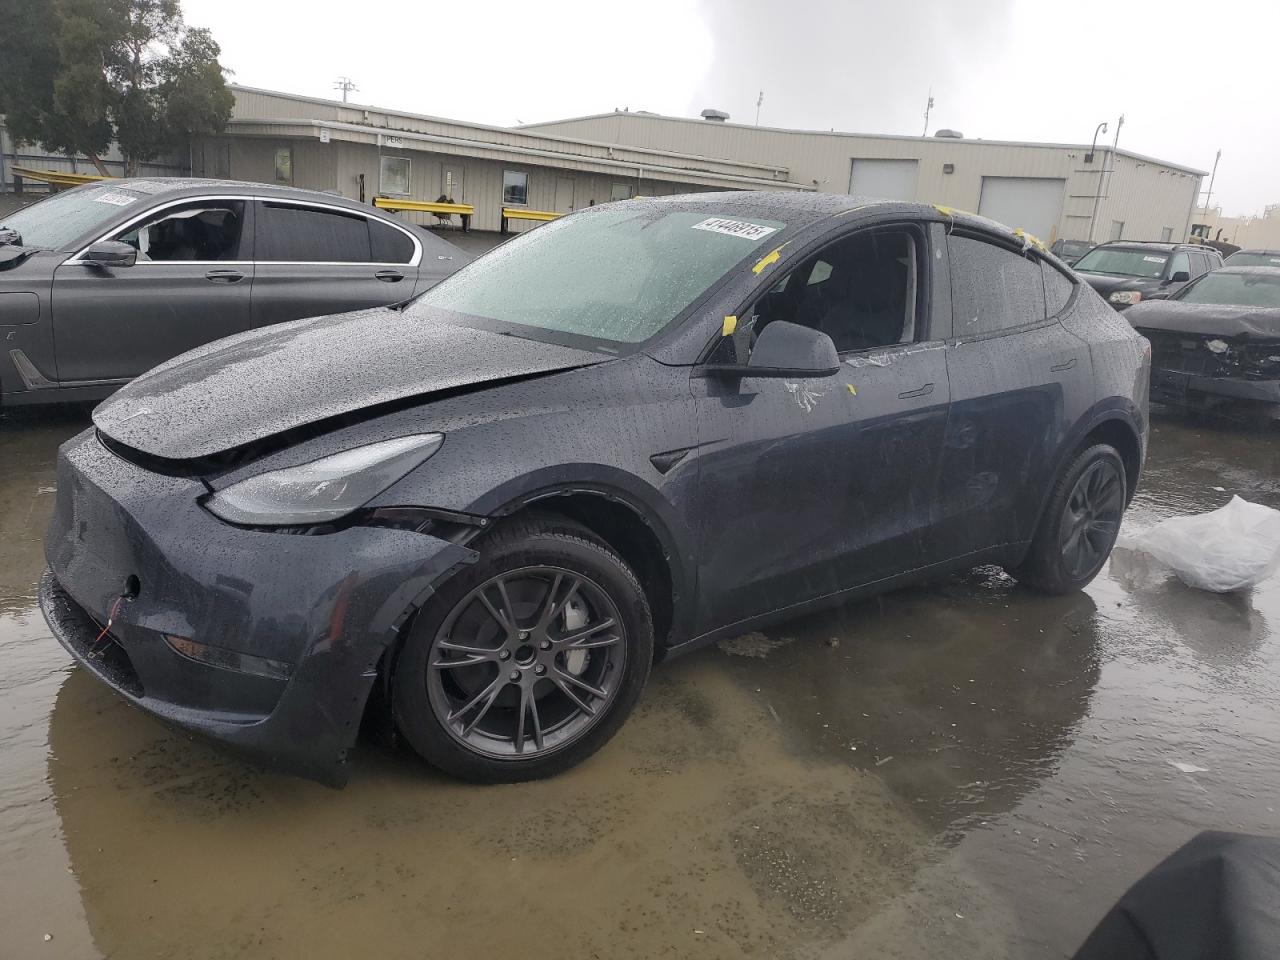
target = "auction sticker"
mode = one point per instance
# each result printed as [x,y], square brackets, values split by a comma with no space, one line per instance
[115,198]
[735,228]
[1155,259]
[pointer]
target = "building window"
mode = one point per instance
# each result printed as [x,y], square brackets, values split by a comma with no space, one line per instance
[620,191]
[515,187]
[284,165]
[1166,234]
[1117,229]
[393,178]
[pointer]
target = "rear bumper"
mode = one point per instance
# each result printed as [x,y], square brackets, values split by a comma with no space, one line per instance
[328,606]
[1174,386]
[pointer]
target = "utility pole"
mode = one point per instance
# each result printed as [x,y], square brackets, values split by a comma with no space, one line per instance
[1212,176]
[927,107]
[346,85]
[759,101]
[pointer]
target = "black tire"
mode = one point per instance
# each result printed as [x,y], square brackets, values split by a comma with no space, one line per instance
[520,554]
[1053,563]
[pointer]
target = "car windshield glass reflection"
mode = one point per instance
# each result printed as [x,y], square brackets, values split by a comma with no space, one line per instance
[1237,289]
[55,222]
[1123,263]
[619,274]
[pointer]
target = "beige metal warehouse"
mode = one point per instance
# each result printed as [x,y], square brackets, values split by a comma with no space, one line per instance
[364,152]
[1047,189]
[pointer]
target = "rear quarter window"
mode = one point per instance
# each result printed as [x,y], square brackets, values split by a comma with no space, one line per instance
[1057,289]
[388,244]
[992,288]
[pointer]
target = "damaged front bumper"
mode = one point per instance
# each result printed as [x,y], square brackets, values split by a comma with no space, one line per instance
[1197,368]
[321,609]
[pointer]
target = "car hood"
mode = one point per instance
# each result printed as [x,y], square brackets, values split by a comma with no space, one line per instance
[1210,319]
[267,382]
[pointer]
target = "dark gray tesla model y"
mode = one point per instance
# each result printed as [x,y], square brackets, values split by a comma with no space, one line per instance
[620,436]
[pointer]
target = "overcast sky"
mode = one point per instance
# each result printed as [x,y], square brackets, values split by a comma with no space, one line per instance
[1189,78]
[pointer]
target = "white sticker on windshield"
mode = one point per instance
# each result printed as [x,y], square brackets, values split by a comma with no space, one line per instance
[1275,259]
[115,198]
[1155,259]
[735,228]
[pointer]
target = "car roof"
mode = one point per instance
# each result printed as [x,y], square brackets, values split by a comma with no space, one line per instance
[1267,251]
[800,209]
[1255,270]
[170,188]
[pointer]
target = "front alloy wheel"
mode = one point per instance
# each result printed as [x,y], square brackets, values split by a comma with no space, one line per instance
[527,662]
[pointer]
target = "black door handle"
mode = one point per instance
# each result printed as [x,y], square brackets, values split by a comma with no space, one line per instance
[389,276]
[1065,365]
[224,276]
[918,392]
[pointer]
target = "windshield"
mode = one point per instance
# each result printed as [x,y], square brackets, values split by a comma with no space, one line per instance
[56,221]
[1073,248]
[1236,289]
[1122,262]
[1253,258]
[620,273]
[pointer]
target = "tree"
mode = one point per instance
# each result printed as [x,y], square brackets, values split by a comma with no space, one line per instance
[65,110]
[94,70]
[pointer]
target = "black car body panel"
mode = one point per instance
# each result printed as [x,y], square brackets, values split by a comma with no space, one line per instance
[99,326]
[1204,351]
[746,498]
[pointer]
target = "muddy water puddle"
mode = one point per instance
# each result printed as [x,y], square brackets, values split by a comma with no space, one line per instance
[963,770]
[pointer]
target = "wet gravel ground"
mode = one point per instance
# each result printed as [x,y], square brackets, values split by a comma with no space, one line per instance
[961,770]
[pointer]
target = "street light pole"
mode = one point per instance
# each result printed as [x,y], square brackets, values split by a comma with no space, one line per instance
[1097,188]
[1097,197]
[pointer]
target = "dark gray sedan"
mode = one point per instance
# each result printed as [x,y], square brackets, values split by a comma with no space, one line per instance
[102,282]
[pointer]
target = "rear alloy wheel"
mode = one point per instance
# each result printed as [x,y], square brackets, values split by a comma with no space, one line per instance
[528,662]
[1080,524]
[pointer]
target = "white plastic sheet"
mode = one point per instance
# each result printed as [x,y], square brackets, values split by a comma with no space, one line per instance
[1232,548]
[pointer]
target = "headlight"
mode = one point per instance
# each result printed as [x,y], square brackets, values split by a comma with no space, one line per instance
[323,489]
[1125,296]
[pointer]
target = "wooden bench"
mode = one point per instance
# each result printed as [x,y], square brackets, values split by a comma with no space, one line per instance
[520,213]
[464,210]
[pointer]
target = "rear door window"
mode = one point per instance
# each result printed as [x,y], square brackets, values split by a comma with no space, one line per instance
[992,288]
[388,244]
[295,234]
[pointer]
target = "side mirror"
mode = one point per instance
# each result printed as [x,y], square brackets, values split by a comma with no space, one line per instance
[1180,277]
[787,350]
[110,253]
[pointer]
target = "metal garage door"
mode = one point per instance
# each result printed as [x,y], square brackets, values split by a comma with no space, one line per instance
[1032,203]
[888,179]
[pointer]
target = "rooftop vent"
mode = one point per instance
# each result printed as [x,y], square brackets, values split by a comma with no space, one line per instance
[719,116]
[949,134]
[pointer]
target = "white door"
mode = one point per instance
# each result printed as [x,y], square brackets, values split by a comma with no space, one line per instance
[884,179]
[564,195]
[1032,203]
